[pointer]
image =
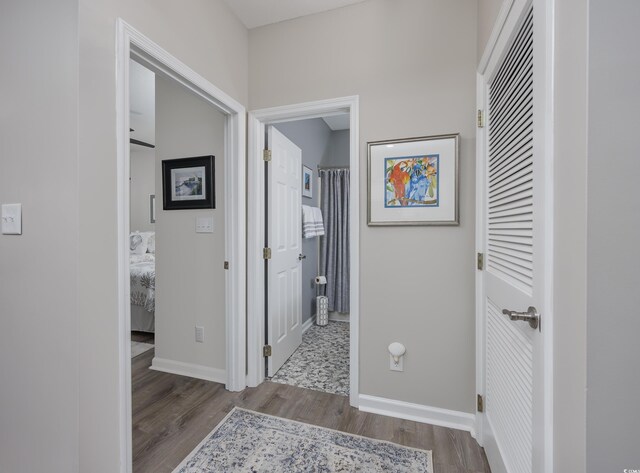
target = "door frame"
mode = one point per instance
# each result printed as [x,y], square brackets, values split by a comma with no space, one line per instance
[131,43]
[257,121]
[509,18]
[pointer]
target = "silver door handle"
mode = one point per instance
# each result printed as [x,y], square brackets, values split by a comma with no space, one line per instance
[301,256]
[531,315]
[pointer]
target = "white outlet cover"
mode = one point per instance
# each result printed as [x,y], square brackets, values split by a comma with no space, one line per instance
[393,366]
[11,219]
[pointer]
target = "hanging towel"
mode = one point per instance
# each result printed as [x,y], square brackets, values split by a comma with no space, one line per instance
[311,222]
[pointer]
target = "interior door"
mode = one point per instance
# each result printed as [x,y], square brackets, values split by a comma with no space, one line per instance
[514,220]
[284,281]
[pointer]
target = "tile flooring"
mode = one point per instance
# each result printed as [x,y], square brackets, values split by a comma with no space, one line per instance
[321,362]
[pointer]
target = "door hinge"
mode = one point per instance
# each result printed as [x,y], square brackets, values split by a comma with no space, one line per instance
[226,265]
[480,403]
[480,261]
[266,350]
[266,253]
[266,155]
[480,119]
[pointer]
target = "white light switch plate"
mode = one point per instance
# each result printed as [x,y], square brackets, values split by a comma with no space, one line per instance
[11,219]
[204,224]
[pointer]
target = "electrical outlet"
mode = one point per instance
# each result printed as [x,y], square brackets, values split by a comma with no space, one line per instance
[199,334]
[396,367]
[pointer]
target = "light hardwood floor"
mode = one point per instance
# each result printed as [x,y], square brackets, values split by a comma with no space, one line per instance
[172,414]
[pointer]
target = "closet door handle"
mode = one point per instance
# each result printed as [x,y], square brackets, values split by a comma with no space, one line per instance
[301,256]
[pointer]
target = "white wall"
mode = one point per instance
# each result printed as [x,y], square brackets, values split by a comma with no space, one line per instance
[143,184]
[206,36]
[38,270]
[190,279]
[613,238]
[391,53]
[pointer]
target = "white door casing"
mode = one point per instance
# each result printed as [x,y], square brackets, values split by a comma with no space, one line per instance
[284,280]
[514,224]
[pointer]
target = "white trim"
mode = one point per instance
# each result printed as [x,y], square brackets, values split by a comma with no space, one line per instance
[496,32]
[192,370]
[255,296]
[130,42]
[496,462]
[308,323]
[418,413]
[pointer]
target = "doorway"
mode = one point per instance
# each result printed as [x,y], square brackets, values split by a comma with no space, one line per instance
[131,44]
[258,333]
[308,273]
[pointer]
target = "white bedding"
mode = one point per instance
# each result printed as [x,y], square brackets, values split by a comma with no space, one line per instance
[143,281]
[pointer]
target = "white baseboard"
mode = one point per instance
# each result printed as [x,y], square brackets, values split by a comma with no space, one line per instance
[493,450]
[418,413]
[338,317]
[308,323]
[189,369]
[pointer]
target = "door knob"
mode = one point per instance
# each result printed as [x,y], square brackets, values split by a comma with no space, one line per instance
[531,316]
[301,256]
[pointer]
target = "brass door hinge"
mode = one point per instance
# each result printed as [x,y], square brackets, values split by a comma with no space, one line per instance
[226,265]
[480,403]
[266,350]
[266,253]
[266,155]
[480,261]
[480,119]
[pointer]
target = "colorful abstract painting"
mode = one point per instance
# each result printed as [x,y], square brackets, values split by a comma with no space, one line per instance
[412,181]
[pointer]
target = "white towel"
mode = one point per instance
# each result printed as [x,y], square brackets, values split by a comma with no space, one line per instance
[311,222]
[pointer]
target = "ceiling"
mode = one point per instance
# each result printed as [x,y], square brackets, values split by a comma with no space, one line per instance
[337,122]
[254,13]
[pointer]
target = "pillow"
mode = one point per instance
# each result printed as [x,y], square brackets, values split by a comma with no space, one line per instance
[137,243]
[151,242]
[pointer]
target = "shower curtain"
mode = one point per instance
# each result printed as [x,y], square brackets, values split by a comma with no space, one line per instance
[334,246]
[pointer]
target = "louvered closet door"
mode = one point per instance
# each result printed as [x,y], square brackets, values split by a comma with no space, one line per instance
[514,253]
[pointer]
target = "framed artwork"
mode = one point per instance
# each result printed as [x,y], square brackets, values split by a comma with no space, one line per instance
[188,183]
[152,208]
[413,181]
[307,181]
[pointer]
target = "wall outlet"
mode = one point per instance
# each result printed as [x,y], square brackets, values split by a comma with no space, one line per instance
[204,225]
[199,334]
[393,366]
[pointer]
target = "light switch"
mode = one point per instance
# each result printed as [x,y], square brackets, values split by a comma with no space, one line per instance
[12,219]
[204,225]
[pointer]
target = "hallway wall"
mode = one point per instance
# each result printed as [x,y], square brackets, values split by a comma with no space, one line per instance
[390,54]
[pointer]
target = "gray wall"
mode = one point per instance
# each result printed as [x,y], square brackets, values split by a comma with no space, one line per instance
[487,13]
[337,153]
[613,248]
[570,236]
[391,54]
[143,184]
[312,137]
[190,279]
[38,270]
[207,37]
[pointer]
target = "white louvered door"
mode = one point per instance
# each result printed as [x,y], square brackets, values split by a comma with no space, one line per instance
[514,254]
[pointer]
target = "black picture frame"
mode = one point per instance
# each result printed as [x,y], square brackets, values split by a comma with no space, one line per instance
[196,176]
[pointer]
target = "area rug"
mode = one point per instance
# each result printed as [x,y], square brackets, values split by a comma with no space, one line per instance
[321,362]
[138,348]
[247,441]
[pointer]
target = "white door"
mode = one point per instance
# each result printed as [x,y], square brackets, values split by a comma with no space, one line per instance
[284,281]
[514,247]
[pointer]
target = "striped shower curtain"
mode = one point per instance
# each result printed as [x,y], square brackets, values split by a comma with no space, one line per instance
[334,246]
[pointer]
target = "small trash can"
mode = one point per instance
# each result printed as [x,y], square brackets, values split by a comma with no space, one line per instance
[322,310]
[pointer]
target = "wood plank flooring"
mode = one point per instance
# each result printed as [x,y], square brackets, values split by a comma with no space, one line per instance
[172,414]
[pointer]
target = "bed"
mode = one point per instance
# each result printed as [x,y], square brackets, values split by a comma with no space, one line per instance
[142,266]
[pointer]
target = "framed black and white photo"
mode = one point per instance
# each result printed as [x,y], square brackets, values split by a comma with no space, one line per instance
[188,183]
[414,181]
[307,181]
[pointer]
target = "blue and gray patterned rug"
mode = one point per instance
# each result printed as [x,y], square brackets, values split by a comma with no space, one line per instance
[247,441]
[321,362]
